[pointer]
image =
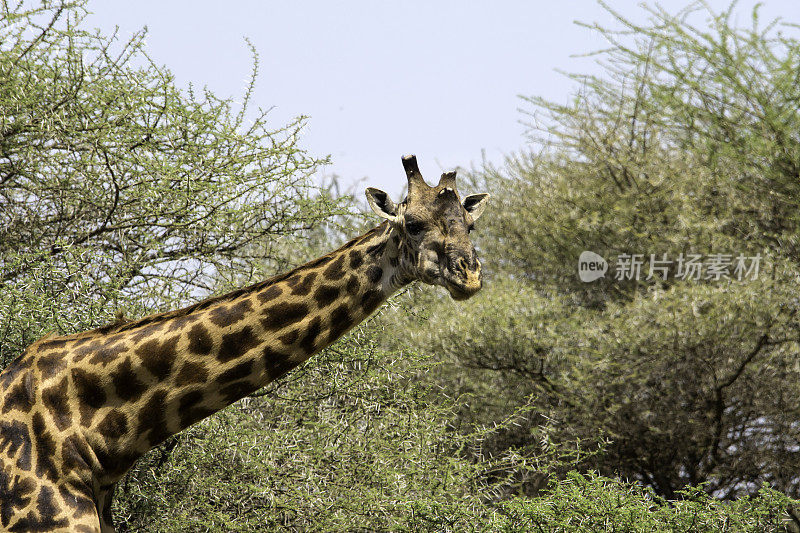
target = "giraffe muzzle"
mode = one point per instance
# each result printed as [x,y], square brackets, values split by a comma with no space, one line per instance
[463,278]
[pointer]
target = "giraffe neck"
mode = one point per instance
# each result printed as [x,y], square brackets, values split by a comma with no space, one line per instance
[138,383]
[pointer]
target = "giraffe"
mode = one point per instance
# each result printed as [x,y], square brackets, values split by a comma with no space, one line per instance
[77,411]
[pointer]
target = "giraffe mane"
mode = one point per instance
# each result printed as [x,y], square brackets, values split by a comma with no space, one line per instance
[116,326]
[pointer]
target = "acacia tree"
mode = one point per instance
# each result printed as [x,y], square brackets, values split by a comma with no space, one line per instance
[118,190]
[687,144]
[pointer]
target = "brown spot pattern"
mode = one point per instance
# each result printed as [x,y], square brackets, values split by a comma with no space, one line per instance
[290,337]
[335,270]
[227,315]
[75,454]
[40,522]
[48,508]
[371,300]
[352,285]
[126,384]
[276,363]
[152,423]
[301,285]
[235,344]
[114,425]
[15,439]
[45,449]
[189,410]
[190,399]
[377,248]
[199,340]
[326,295]
[270,293]
[18,398]
[15,493]
[180,322]
[272,357]
[113,462]
[107,354]
[340,322]
[282,314]
[49,365]
[237,390]
[80,503]
[55,400]
[146,331]
[374,274]
[56,343]
[191,373]
[356,258]
[88,388]
[309,338]
[240,371]
[158,357]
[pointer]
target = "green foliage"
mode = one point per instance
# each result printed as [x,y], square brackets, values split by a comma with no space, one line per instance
[593,503]
[120,191]
[355,441]
[688,143]
[361,441]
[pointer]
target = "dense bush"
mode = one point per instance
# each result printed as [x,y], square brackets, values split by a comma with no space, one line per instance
[118,191]
[687,144]
[359,440]
[593,503]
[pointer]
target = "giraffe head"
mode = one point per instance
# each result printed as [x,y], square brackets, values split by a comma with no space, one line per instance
[433,224]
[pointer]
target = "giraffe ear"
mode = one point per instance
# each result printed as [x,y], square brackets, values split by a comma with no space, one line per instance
[475,204]
[380,202]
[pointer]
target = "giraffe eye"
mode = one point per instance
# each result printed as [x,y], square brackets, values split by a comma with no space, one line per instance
[470,228]
[414,227]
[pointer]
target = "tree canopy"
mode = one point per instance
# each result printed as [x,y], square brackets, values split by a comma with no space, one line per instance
[119,190]
[686,146]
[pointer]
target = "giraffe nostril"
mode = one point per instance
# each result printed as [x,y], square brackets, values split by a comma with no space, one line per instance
[462,265]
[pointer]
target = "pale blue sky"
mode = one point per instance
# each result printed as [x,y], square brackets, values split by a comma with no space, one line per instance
[380,79]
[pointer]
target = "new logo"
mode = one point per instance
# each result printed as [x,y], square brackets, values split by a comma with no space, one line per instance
[591,266]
